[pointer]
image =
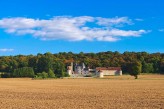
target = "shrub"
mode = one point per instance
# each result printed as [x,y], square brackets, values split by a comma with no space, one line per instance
[88,76]
[23,72]
[5,75]
[67,75]
[51,74]
[42,75]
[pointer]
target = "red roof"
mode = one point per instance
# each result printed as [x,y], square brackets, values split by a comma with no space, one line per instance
[108,68]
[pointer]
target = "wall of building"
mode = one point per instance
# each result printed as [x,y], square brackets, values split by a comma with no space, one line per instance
[81,70]
[69,72]
[101,74]
[108,73]
[111,72]
[78,69]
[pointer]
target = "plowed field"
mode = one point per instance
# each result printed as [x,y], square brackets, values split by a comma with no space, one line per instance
[113,93]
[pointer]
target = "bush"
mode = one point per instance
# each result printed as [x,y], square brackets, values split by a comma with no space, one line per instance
[23,72]
[5,75]
[88,76]
[67,75]
[38,75]
[42,75]
[51,74]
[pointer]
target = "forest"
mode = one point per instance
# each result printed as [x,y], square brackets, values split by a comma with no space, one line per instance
[56,64]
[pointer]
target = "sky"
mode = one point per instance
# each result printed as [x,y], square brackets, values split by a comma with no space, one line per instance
[40,26]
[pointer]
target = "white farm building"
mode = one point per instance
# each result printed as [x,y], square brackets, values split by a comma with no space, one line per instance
[107,71]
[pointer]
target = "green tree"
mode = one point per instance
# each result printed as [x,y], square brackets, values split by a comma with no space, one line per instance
[136,69]
[147,68]
[23,72]
[32,62]
[51,74]
[59,68]
[162,66]
[45,63]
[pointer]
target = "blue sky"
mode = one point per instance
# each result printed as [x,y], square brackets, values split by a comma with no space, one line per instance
[39,26]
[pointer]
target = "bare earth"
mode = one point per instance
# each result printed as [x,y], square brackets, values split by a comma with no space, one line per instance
[113,93]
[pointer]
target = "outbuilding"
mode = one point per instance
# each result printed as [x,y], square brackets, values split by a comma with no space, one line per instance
[107,71]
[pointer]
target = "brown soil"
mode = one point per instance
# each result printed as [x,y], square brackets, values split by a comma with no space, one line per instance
[113,93]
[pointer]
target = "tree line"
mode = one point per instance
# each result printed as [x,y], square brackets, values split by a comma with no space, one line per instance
[57,63]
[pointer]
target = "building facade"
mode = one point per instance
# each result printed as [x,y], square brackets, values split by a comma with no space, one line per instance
[77,70]
[80,70]
[108,71]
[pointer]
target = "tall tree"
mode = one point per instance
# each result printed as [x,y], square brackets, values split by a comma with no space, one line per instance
[136,69]
[59,69]
[147,67]
[45,63]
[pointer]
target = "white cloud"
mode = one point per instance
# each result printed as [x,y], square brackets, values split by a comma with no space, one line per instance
[71,28]
[6,50]
[161,30]
[116,32]
[138,19]
[113,21]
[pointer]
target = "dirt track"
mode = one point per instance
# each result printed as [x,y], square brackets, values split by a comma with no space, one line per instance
[125,93]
